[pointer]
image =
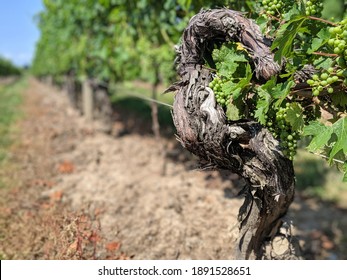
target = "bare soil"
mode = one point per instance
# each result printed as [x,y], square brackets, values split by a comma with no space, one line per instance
[74,192]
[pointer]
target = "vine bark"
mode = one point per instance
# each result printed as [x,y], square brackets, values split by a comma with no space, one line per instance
[244,146]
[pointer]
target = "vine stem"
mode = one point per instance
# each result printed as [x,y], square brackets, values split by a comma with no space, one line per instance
[322,20]
[325,157]
[326,54]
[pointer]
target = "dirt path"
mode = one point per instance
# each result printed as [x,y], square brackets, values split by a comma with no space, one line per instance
[82,194]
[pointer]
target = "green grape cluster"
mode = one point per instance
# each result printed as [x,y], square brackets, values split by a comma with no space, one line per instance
[275,7]
[313,7]
[338,40]
[282,130]
[323,81]
[222,98]
[272,7]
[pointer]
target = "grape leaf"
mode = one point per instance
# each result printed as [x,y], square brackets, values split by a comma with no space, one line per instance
[295,116]
[339,98]
[264,100]
[227,69]
[233,112]
[285,37]
[321,135]
[236,88]
[340,129]
[263,105]
[294,11]
[269,84]
[317,42]
[232,87]
[281,91]
[323,62]
[228,60]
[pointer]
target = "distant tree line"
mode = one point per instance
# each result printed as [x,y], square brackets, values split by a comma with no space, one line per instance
[7,68]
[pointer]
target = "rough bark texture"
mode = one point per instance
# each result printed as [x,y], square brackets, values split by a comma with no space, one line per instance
[102,105]
[243,146]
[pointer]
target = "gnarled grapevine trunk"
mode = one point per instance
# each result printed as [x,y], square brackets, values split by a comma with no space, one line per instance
[243,146]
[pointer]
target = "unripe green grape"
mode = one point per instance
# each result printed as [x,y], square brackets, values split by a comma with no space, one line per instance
[316,92]
[324,76]
[336,78]
[339,73]
[341,46]
[337,50]
[331,42]
[337,30]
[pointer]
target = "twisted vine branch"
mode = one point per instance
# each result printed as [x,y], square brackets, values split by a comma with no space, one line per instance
[243,147]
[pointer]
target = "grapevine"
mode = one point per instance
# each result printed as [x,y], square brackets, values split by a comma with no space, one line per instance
[224,86]
[286,119]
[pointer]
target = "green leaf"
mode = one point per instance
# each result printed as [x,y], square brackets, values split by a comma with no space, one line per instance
[339,98]
[262,22]
[321,135]
[228,59]
[285,37]
[263,102]
[277,91]
[340,129]
[269,84]
[316,44]
[236,88]
[294,11]
[323,62]
[281,91]
[244,82]
[232,112]
[295,116]
[323,36]
[227,69]
[262,109]
[230,87]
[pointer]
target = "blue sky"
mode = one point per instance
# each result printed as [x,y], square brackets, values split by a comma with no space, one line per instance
[18,31]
